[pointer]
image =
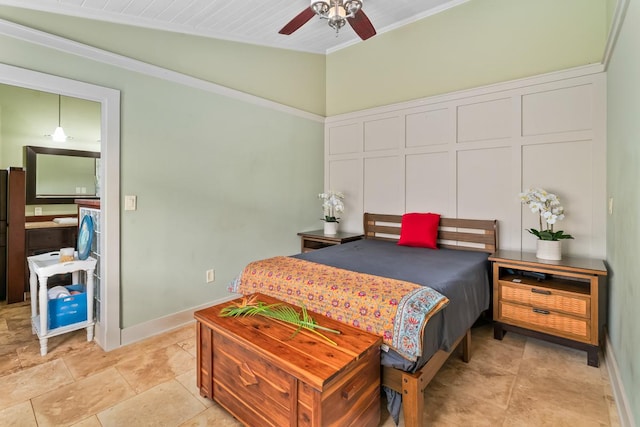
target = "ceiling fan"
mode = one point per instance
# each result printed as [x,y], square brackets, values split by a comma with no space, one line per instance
[337,13]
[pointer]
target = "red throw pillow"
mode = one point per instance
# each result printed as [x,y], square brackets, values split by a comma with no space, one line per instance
[419,230]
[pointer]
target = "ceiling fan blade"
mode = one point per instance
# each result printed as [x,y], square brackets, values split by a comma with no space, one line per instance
[362,26]
[297,22]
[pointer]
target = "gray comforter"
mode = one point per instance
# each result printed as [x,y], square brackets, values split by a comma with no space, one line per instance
[462,276]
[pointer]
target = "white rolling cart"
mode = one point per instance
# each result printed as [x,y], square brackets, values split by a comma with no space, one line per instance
[41,267]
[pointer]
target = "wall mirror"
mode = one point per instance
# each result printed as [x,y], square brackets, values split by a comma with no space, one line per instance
[58,176]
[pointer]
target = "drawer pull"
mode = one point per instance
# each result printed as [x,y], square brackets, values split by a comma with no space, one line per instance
[347,394]
[540,291]
[352,389]
[247,377]
[540,311]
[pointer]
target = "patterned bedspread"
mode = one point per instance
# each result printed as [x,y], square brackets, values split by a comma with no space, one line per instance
[393,309]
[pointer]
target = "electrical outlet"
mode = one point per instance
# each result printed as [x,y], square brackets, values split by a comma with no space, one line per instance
[37,210]
[610,205]
[211,276]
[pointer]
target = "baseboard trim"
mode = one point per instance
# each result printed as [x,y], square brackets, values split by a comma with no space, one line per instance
[163,324]
[622,403]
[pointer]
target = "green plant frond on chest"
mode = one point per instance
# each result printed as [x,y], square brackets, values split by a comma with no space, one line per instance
[280,312]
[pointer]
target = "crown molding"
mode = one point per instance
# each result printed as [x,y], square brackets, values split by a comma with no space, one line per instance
[62,44]
[614,31]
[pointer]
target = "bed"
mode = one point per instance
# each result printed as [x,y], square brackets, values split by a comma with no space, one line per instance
[459,269]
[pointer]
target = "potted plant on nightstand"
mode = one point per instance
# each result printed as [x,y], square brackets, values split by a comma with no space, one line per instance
[332,205]
[547,205]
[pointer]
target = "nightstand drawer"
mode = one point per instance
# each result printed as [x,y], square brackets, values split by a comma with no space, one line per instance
[546,298]
[545,321]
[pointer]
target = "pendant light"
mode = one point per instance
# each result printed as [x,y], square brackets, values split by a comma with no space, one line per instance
[58,134]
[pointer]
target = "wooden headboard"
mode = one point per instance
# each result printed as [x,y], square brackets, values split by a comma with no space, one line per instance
[453,233]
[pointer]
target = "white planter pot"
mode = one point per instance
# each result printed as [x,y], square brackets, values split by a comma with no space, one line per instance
[330,227]
[549,249]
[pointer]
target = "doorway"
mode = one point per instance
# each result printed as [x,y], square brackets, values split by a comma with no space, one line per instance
[107,331]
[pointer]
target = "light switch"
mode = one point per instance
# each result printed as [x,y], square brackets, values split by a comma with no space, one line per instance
[130,203]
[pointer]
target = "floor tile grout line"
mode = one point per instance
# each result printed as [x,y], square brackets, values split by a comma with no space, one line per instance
[162,344]
[33,411]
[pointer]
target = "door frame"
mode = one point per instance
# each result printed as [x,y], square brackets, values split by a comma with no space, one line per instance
[108,330]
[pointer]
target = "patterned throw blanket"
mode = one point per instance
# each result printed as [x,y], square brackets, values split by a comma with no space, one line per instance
[393,309]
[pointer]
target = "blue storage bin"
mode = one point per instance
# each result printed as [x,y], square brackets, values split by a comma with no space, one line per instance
[68,310]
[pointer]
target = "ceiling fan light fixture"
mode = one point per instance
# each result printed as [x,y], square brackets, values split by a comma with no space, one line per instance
[320,7]
[337,17]
[337,13]
[352,7]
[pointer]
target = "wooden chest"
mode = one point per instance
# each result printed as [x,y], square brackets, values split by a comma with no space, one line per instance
[254,368]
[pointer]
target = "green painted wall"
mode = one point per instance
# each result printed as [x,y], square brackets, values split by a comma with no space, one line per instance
[28,115]
[474,44]
[291,78]
[623,227]
[219,182]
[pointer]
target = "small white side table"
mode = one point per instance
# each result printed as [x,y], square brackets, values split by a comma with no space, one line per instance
[43,266]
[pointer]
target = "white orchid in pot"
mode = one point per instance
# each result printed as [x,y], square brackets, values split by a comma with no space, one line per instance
[332,205]
[550,211]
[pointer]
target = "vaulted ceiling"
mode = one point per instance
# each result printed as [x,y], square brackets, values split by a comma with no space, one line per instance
[248,21]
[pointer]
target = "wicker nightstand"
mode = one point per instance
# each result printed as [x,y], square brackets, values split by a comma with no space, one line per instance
[559,301]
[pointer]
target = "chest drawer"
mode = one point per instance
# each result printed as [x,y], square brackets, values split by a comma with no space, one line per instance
[546,298]
[348,401]
[245,380]
[546,321]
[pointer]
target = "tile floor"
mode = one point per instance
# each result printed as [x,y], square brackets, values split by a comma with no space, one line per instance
[515,382]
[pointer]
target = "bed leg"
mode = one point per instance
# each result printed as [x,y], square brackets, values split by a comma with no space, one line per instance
[413,386]
[466,347]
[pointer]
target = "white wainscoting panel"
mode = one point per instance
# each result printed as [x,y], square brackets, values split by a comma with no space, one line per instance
[484,177]
[489,119]
[346,176]
[345,139]
[468,154]
[568,175]
[560,110]
[383,133]
[427,128]
[384,184]
[425,174]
